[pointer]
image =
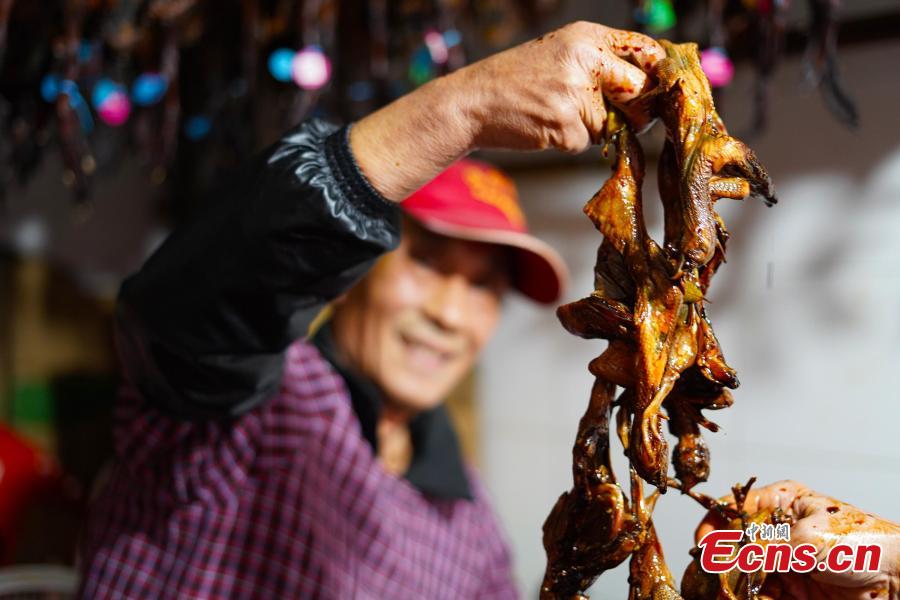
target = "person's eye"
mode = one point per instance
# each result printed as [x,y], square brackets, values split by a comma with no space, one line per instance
[493,283]
[485,283]
[425,259]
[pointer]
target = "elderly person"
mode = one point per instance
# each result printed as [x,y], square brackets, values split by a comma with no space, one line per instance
[258,458]
[280,432]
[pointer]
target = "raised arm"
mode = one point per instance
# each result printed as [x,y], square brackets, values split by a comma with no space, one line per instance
[546,93]
[201,328]
[203,325]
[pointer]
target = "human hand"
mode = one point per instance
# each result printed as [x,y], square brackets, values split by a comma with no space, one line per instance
[824,522]
[546,93]
[549,92]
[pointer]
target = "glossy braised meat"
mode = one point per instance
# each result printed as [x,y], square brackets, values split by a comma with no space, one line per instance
[592,528]
[648,302]
[700,161]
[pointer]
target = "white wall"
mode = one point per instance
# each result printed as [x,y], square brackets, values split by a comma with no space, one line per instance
[816,344]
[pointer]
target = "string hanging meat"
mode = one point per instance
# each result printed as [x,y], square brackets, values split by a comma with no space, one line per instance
[648,302]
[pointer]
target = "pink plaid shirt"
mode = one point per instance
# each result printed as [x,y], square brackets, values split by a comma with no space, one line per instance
[284,501]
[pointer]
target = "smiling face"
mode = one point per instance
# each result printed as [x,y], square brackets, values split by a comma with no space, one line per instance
[416,323]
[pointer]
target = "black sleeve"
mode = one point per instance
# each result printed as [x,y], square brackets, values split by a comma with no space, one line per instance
[202,327]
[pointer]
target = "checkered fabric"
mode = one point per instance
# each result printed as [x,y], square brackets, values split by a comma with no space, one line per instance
[286,501]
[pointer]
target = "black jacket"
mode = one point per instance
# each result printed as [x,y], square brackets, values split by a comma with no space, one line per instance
[202,328]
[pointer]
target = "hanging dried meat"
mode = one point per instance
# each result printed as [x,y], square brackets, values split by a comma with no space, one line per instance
[648,302]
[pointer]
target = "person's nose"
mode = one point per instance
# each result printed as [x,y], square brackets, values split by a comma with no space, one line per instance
[446,305]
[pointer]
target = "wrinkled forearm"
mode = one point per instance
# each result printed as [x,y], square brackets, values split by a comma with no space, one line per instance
[408,142]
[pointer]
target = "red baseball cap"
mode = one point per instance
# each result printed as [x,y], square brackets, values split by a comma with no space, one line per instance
[472,200]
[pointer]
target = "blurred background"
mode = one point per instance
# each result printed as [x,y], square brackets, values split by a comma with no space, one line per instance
[117,115]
